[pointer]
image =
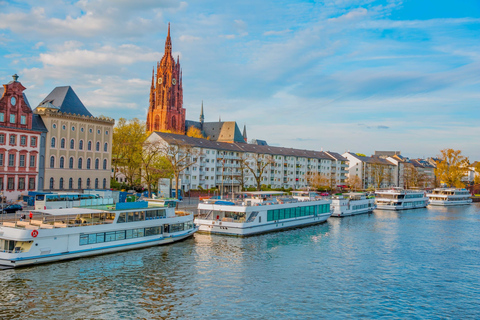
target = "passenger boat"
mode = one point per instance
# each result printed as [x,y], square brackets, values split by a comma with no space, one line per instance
[60,234]
[349,204]
[260,212]
[449,197]
[400,199]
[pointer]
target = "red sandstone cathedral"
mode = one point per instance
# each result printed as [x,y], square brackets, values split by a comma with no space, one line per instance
[166,112]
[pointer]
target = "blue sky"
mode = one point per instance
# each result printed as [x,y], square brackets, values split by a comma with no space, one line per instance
[335,75]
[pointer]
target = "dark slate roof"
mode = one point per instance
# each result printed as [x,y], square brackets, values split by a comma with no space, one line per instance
[190,123]
[172,138]
[37,123]
[26,100]
[336,156]
[259,142]
[2,89]
[67,100]
[224,131]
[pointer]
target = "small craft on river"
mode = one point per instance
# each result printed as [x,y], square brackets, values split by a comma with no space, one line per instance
[349,204]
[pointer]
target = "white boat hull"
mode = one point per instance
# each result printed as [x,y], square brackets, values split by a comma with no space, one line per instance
[346,213]
[401,207]
[249,229]
[449,203]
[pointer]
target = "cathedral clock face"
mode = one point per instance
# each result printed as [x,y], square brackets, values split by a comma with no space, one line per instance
[174,81]
[160,80]
[13,101]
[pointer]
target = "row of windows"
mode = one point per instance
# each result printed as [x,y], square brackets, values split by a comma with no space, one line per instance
[53,144]
[21,183]
[71,162]
[13,140]
[102,237]
[64,127]
[141,215]
[61,184]
[288,213]
[23,119]
[22,160]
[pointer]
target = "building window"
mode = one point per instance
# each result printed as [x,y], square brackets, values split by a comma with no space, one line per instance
[52,162]
[96,183]
[13,139]
[54,126]
[32,161]
[106,132]
[62,162]
[51,183]
[80,145]
[12,118]
[89,145]
[79,183]
[53,143]
[11,160]
[97,162]
[80,160]
[90,130]
[21,183]
[31,183]
[2,117]
[105,147]
[10,184]
[63,127]
[23,140]
[104,164]
[73,128]
[1,159]
[89,161]
[70,163]
[70,183]
[33,141]
[88,182]
[23,120]
[2,139]
[81,129]
[72,144]
[62,143]
[97,146]
[98,131]
[1,183]
[61,183]
[22,161]
[104,183]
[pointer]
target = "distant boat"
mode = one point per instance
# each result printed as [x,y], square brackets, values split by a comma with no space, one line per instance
[349,204]
[449,197]
[260,212]
[400,199]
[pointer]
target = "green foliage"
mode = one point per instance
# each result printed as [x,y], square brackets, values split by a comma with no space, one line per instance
[451,167]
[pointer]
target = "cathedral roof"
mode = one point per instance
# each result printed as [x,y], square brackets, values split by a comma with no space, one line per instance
[67,101]
[223,131]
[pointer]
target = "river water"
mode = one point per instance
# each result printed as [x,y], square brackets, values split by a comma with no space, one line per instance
[415,264]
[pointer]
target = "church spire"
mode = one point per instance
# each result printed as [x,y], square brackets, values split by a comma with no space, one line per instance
[202,118]
[245,132]
[168,42]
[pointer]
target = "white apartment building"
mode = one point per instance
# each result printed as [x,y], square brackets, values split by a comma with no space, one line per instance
[370,170]
[224,165]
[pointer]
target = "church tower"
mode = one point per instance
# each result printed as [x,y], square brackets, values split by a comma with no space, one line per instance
[166,112]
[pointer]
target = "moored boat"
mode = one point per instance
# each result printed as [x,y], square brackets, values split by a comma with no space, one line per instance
[349,204]
[400,199]
[260,212]
[60,234]
[449,197]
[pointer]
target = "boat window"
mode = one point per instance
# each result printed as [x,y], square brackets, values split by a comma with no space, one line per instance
[121,217]
[109,236]
[100,237]
[120,235]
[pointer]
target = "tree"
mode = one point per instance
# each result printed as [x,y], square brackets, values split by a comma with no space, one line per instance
[318,180]
[354,182]
[380,173]
[257,164]
[477,172]
[154,164]
[451,167]
[195,133]
[127,144]
[410,176]
[180,156]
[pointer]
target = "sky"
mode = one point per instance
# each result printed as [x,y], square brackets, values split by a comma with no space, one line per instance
[338,75]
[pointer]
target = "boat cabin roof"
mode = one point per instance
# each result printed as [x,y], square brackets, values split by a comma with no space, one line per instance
[263,193]
[69,211]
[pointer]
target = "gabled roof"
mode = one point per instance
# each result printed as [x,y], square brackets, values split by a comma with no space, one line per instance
[67,101]
[224,131]
[371,160]
[37,123]
[336,156]
[172,138]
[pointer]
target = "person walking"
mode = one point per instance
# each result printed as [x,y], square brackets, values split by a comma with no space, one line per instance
[30,215]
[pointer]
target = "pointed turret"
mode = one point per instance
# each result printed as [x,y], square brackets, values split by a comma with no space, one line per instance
[245,132]
[168,42]
[202,118]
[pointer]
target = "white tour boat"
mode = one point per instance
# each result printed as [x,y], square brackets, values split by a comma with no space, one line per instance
[260,212]
[349,204]
[60,234]
[449,197]
[400,199]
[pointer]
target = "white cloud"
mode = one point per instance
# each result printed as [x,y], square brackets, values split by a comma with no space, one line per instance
[188,38]
[276,33]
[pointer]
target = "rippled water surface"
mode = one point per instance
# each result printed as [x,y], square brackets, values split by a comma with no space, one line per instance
[422,264]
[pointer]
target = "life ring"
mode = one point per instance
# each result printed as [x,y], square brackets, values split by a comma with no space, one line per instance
[34,233]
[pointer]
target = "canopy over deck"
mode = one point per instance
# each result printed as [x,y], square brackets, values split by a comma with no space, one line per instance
[68,211]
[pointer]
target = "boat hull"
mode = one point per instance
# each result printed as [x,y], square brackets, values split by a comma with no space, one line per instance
[14,260]
[397,208]
[347,213]
[250,229]
[449,203]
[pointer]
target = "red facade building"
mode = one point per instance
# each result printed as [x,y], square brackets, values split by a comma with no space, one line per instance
[166,112]
[20,139]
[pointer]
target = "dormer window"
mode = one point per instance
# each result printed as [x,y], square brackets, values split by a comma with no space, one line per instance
[23,120]
[12,118]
